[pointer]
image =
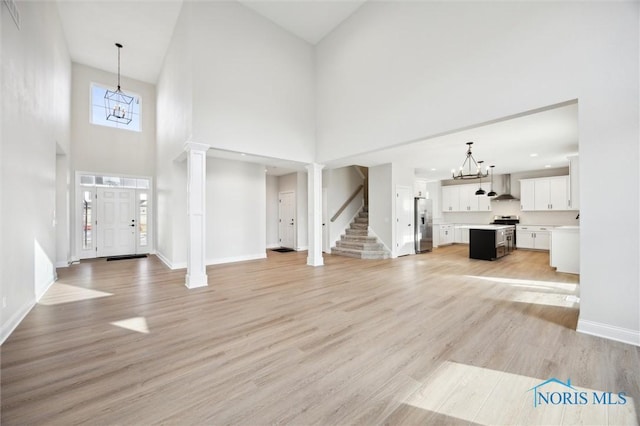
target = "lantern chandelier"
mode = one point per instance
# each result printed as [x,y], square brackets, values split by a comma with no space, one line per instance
[470,169]
[118,106]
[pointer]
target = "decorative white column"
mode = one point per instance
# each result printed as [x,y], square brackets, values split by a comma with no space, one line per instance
[196,202]
[314,194]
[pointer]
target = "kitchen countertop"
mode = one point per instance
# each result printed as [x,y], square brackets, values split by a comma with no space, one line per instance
[489,227]
[566,228]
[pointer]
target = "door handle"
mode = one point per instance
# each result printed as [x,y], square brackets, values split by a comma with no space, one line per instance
[133,226]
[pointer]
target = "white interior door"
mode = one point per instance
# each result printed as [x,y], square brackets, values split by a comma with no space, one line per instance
[404,221]
[116,222]
[325,223]
[286,222]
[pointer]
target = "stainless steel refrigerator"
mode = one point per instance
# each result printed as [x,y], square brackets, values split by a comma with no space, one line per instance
[423,237]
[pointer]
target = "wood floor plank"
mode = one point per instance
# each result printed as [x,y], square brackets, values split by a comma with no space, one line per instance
[436,338]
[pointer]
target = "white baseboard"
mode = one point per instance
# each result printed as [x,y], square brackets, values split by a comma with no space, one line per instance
[272,246]
[232,259]
[15,320]
[170,264]
[611,332]
[62,264]
[216,261]
[302,248]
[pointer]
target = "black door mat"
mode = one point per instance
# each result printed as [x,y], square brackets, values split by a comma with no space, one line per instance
[128,256]
[283,250]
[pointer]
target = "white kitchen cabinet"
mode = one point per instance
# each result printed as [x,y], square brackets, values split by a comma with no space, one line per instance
[451,198]
[533,237]
[559,193]
[447,235]
[463,198]
[462,234]
[484,202]
[468,200]
[527,194]
[544,194]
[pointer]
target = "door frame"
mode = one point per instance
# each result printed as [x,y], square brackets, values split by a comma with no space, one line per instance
[326,225]
[76,234]
[398,227]
[295,218]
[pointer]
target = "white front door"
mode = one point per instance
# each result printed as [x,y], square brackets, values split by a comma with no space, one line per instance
[404,221]
[286,222]
[116,222]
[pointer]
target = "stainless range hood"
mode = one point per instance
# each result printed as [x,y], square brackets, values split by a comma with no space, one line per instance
[504,189]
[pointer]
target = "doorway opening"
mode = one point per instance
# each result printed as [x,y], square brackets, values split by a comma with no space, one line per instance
[286,219]
[113,216]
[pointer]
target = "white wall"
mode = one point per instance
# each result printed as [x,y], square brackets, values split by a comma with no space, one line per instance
[253,84]
[233,80]
[35,84]
[340,184]
[173,129]
[236,211]
[272,211]
[401,71]
[104,149]
[382,203]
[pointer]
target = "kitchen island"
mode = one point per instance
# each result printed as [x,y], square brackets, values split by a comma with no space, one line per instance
[490,242]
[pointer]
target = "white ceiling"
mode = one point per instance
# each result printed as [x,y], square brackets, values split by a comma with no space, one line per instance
[310,20]
[145,28]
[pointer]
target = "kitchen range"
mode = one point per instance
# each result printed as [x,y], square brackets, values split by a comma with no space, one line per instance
[490,242]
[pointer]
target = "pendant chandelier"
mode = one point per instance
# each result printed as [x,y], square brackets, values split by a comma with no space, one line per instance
[118,105]
[470,169]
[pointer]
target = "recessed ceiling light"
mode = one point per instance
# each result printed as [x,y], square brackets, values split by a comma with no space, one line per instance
[547,165]
[243,154]
[533,155]
[433,170]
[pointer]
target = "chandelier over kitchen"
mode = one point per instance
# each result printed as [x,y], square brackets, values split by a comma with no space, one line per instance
[470,169]
[118,106]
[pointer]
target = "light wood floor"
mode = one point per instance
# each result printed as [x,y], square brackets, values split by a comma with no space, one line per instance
[435,338]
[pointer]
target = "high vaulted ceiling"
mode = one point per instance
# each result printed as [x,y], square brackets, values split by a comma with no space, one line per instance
[145,28]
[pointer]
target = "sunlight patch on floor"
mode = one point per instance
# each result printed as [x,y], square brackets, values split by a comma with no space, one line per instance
[489,397]
[64,293]
[138,324]
[534,284]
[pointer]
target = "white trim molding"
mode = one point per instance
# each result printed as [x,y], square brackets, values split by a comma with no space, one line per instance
[611,332]
[9,326]
[233,259]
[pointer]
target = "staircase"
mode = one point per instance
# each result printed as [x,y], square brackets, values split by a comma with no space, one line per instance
[357,242]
